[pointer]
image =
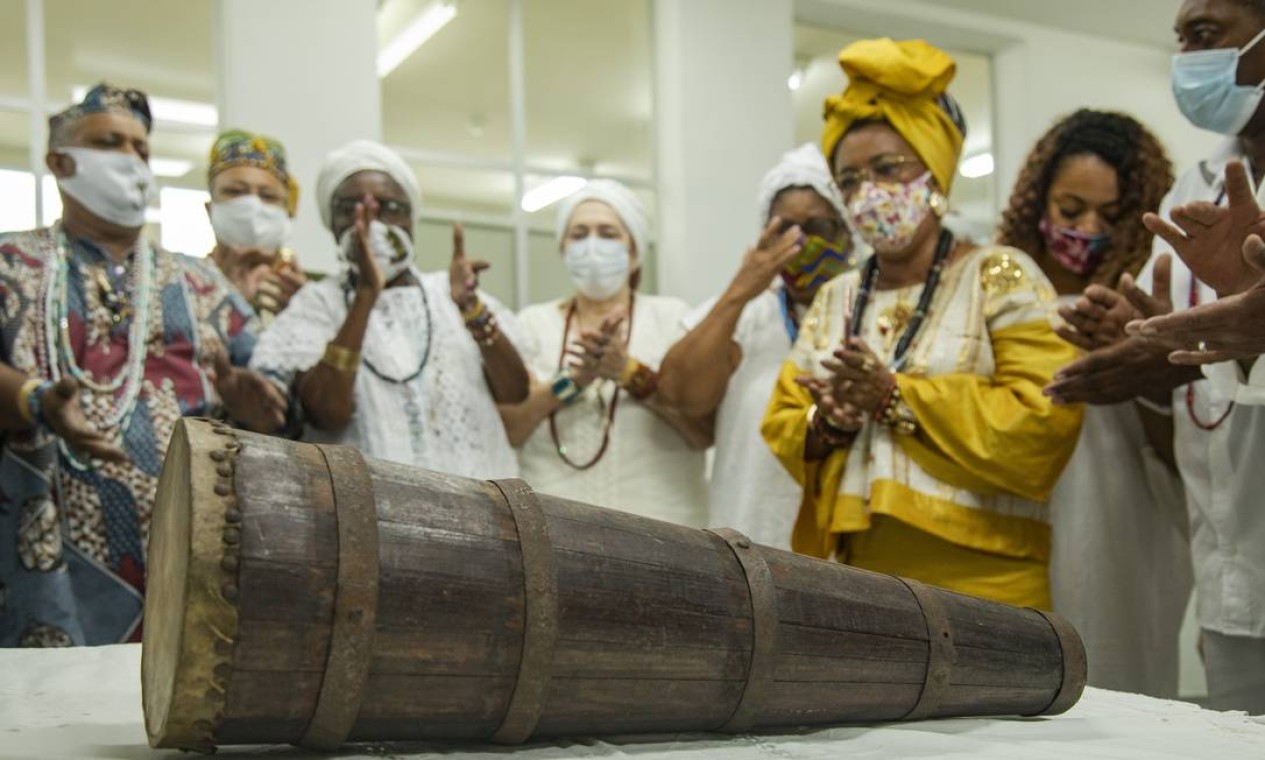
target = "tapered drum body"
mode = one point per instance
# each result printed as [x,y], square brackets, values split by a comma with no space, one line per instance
[299,593]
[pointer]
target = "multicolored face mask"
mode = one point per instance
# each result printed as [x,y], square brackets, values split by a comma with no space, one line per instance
[887,215]
[1078,252]
[818,262]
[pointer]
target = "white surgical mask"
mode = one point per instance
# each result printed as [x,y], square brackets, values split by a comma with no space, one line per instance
[115,186]
[390,246]
[598,266]
[1205,84]
[248,222]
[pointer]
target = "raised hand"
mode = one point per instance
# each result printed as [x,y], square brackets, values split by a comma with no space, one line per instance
[248,396]
[861,380]
[840,414]
[1210,239]
[1230,328]
[599,354]
[766,259]
[61,411]
[463,273]
[371,279]
[1098,317]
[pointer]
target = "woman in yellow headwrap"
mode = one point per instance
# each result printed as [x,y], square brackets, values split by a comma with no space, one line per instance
[910,409]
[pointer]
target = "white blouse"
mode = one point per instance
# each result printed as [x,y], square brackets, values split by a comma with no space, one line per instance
[648,468]
[421,397]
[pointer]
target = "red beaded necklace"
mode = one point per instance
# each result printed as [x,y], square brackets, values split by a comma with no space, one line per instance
[610,411]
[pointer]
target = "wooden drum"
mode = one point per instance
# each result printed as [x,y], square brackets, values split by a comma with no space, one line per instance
[300,593]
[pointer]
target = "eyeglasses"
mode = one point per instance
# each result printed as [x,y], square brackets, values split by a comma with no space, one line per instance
[387,208]
[888,168]
[827,229]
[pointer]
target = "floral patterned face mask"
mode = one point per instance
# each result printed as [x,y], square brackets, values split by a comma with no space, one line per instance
[886,215]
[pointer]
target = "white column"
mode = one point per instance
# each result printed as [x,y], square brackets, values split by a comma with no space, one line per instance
[303,71]
[724,117]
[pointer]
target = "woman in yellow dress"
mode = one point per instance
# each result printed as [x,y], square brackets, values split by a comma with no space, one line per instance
[910,409]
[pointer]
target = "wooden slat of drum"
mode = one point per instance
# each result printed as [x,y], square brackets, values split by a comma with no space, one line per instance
[993,700]
[624,706]
[262,695]
[663,553]
[290,534]
[679,630]
[985,667]
[645,588]
[413,497]
[800,704]
[1075,665]
[600,660]
[861,668]
[624,525]
[268,730]
[287,592]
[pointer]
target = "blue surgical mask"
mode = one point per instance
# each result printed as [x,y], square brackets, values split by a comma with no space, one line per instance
[1205,86]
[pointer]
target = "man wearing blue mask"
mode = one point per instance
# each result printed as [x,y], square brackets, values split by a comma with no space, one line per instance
[105,341]
[1216,426]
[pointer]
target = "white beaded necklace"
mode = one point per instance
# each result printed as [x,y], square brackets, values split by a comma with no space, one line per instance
[126,385]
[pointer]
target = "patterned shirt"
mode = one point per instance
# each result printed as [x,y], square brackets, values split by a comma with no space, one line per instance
[73,538]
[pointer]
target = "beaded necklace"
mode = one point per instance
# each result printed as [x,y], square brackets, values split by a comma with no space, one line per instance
[348,295]
[1190,387]
[870,275]
[125,386]
[610,413]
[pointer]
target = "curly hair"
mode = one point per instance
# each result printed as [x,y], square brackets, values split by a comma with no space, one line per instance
[1144,175]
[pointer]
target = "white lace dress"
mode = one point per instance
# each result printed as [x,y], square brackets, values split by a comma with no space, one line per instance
[442,417]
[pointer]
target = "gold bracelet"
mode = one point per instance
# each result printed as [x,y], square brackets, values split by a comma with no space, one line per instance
[473,313]
[630,369]
[341,359]
[24,399]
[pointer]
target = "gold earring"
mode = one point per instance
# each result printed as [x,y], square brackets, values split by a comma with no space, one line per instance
[939,204]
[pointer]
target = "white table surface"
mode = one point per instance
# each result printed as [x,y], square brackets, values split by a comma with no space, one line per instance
[85,704]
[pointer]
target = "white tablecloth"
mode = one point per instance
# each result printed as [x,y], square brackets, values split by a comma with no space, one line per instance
[86,703]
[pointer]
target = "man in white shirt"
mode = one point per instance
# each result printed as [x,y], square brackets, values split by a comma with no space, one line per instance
[1218,424]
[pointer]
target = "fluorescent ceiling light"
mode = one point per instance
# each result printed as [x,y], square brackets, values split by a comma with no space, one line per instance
[795,79]
[551,192]
[977,166]
[171,110]
[431,19]
[170,167]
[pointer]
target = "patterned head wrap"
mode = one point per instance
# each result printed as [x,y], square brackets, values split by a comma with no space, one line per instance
[238,147]
[903,84]
[104,98]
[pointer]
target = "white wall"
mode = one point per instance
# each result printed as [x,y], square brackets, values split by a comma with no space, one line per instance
[304,72]
[724,117]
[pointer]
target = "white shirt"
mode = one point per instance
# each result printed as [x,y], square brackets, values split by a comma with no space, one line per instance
[648,468]
[444,418]
[1223,469]
[750,491]
[1120,561]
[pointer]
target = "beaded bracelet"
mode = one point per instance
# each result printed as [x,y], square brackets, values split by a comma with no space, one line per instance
[828,432]
[896,414]
[484,329]
[639,380]
[30,401]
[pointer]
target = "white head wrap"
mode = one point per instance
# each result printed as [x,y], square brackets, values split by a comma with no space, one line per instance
[618,197]
[803,167]
[361,156]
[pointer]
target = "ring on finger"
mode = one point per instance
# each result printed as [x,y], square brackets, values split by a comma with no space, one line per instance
[867,365]
[1202,347]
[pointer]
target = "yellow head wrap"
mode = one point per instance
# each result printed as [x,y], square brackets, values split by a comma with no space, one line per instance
[902,83]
